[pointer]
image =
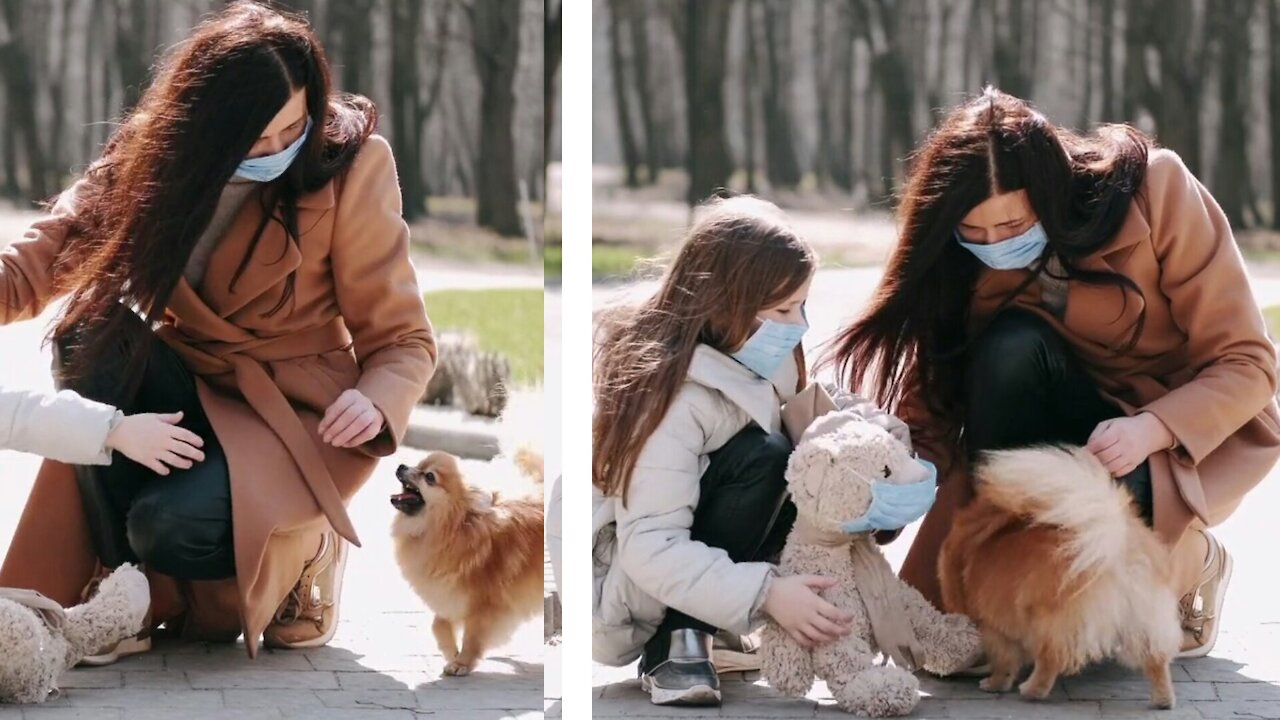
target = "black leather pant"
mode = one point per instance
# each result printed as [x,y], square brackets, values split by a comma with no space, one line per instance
[743,507]
[1024,386]
[179,524]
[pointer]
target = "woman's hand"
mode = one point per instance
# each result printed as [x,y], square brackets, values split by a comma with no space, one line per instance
[794,604]
[351,420]
[1122,444]
[156,441]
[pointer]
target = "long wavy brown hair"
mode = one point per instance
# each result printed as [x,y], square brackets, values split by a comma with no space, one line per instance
[739,258]
[913,333]
[153,191]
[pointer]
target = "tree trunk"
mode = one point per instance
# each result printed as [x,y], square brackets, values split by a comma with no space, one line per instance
[823,72]
[781,164]
[1011,48]
[496,30]
[750,93]
[552,32]
[702,30]
[20,89]
[1182,53]
[843,163]
[1232,25]
[405,24]
[1139,91]
[1108,18]
[1273,97]
[133,56]
[637,21]
[890,78]
[622,95]
[351,28]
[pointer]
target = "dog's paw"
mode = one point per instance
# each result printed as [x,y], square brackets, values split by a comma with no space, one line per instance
[1034,691]
[457,669]
[996,684]
[1165,702]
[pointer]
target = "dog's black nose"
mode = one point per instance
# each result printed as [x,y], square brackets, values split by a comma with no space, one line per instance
[400,471]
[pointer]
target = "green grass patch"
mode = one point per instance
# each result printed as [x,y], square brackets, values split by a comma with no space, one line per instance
[507,320]
[619,261]
[552,262]
[1272,316]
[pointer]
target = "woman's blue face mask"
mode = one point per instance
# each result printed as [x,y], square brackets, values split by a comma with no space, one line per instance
[270,167]
[1014,253]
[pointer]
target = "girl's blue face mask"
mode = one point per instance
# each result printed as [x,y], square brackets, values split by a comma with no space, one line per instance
[1010,254]
[896,506]
[270,167]
[772,343]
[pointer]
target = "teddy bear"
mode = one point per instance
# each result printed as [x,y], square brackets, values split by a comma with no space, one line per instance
[832,476]
[39,640]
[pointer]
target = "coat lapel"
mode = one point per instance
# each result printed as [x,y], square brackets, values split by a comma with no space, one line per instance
[1105,315]
[273,259]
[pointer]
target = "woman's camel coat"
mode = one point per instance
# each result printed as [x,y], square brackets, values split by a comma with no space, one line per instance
[356,321]
[1204,364]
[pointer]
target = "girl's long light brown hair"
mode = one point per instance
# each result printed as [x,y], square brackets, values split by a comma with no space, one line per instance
[739,257]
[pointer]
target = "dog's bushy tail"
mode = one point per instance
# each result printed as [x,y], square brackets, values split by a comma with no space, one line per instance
[1066,487]
[520,436]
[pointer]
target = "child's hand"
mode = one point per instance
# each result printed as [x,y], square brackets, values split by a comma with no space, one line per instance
[156,441]
[794,604]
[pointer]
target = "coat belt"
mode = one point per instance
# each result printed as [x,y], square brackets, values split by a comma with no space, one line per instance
[245,360]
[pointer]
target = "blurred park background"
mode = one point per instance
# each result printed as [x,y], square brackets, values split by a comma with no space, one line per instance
[815,103]
[460,90]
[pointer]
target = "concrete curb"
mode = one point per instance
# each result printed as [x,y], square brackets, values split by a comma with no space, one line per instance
[466,444]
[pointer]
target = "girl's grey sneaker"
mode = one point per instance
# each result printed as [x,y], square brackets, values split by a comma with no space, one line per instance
[686,676]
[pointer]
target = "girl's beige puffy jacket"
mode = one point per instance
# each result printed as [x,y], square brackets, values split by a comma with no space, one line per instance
[64,427]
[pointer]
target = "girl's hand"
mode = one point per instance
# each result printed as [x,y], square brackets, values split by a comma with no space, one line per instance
[794,604]
[351,420]
[156,441]
[1121,444]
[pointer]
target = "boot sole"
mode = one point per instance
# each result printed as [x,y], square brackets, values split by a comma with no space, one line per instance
[324,639]
[729,661]
[123,649]
[698,695]
[1218,597]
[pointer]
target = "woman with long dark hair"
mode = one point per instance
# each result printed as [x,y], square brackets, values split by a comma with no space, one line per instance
[237,254]
[1056,287]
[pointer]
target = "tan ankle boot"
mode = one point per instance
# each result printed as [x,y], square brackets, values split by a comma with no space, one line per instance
[309,616]
[1201,609]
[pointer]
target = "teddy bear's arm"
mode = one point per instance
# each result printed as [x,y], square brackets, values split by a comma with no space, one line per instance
[951,642]
[785,664]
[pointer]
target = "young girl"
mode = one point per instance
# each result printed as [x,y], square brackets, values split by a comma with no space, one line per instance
[689,457]
[70,428]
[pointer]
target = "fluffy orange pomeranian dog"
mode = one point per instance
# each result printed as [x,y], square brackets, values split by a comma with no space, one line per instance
[1053,564]
[474,558]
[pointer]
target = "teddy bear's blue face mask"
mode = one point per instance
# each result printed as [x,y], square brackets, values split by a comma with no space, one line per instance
[896,506]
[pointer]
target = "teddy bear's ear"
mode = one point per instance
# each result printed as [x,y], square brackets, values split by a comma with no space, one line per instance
[810,464]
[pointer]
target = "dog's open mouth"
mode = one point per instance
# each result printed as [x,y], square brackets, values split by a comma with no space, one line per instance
[408,501]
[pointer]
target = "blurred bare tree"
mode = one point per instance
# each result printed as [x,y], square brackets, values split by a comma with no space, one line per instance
[459,84]
[831,96]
